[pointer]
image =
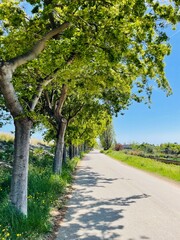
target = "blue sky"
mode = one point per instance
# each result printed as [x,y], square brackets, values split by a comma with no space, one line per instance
[161,123]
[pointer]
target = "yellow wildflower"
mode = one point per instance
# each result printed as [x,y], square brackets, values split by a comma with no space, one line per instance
[18,234]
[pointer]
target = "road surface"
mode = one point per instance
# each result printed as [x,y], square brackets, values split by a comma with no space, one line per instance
[115,201]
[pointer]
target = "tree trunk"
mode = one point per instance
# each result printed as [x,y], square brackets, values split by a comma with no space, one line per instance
[70,151]
[57,165]
[19,180]
[64,154]
[85,147]
[78,151]
[74,152]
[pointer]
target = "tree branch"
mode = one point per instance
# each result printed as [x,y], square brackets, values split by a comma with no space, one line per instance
[48,100]
[40,88]
[46,81]
[38,47]
[51,17]
[81,135]
[71,58]
[71,117]
[61,101]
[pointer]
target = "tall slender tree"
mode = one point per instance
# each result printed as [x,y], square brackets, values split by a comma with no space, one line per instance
[107,138]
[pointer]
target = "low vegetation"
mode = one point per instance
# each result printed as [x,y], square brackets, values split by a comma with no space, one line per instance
[44,190]
[166,170]
[6,137]
[167,152]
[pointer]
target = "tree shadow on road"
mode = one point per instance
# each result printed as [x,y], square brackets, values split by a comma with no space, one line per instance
[90,218]
[87,177]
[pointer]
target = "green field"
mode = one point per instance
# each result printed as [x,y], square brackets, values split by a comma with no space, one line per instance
[166,170]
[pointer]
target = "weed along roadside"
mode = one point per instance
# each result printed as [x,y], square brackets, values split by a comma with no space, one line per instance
[58,210]
[169,171]
[46,195]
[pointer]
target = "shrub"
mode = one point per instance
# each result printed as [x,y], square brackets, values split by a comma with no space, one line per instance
[118,147]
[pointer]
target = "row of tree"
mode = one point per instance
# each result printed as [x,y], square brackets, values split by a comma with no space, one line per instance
[71,65]
[165,148]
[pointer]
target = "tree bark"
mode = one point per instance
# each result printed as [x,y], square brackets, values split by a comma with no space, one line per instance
[57,165]
[8,91]
[64,154]
[74,151]
[19,180]
[61,101]
[70,151]
[78,151]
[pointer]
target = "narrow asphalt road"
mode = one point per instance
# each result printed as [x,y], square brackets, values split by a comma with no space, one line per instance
[115,201]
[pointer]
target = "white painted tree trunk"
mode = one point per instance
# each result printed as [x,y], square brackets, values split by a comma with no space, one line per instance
[19,180]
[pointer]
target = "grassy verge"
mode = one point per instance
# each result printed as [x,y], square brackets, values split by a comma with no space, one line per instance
[166,170]
[44,189]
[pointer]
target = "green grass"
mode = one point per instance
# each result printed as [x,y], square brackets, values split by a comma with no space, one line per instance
[44,189]
[166,170]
